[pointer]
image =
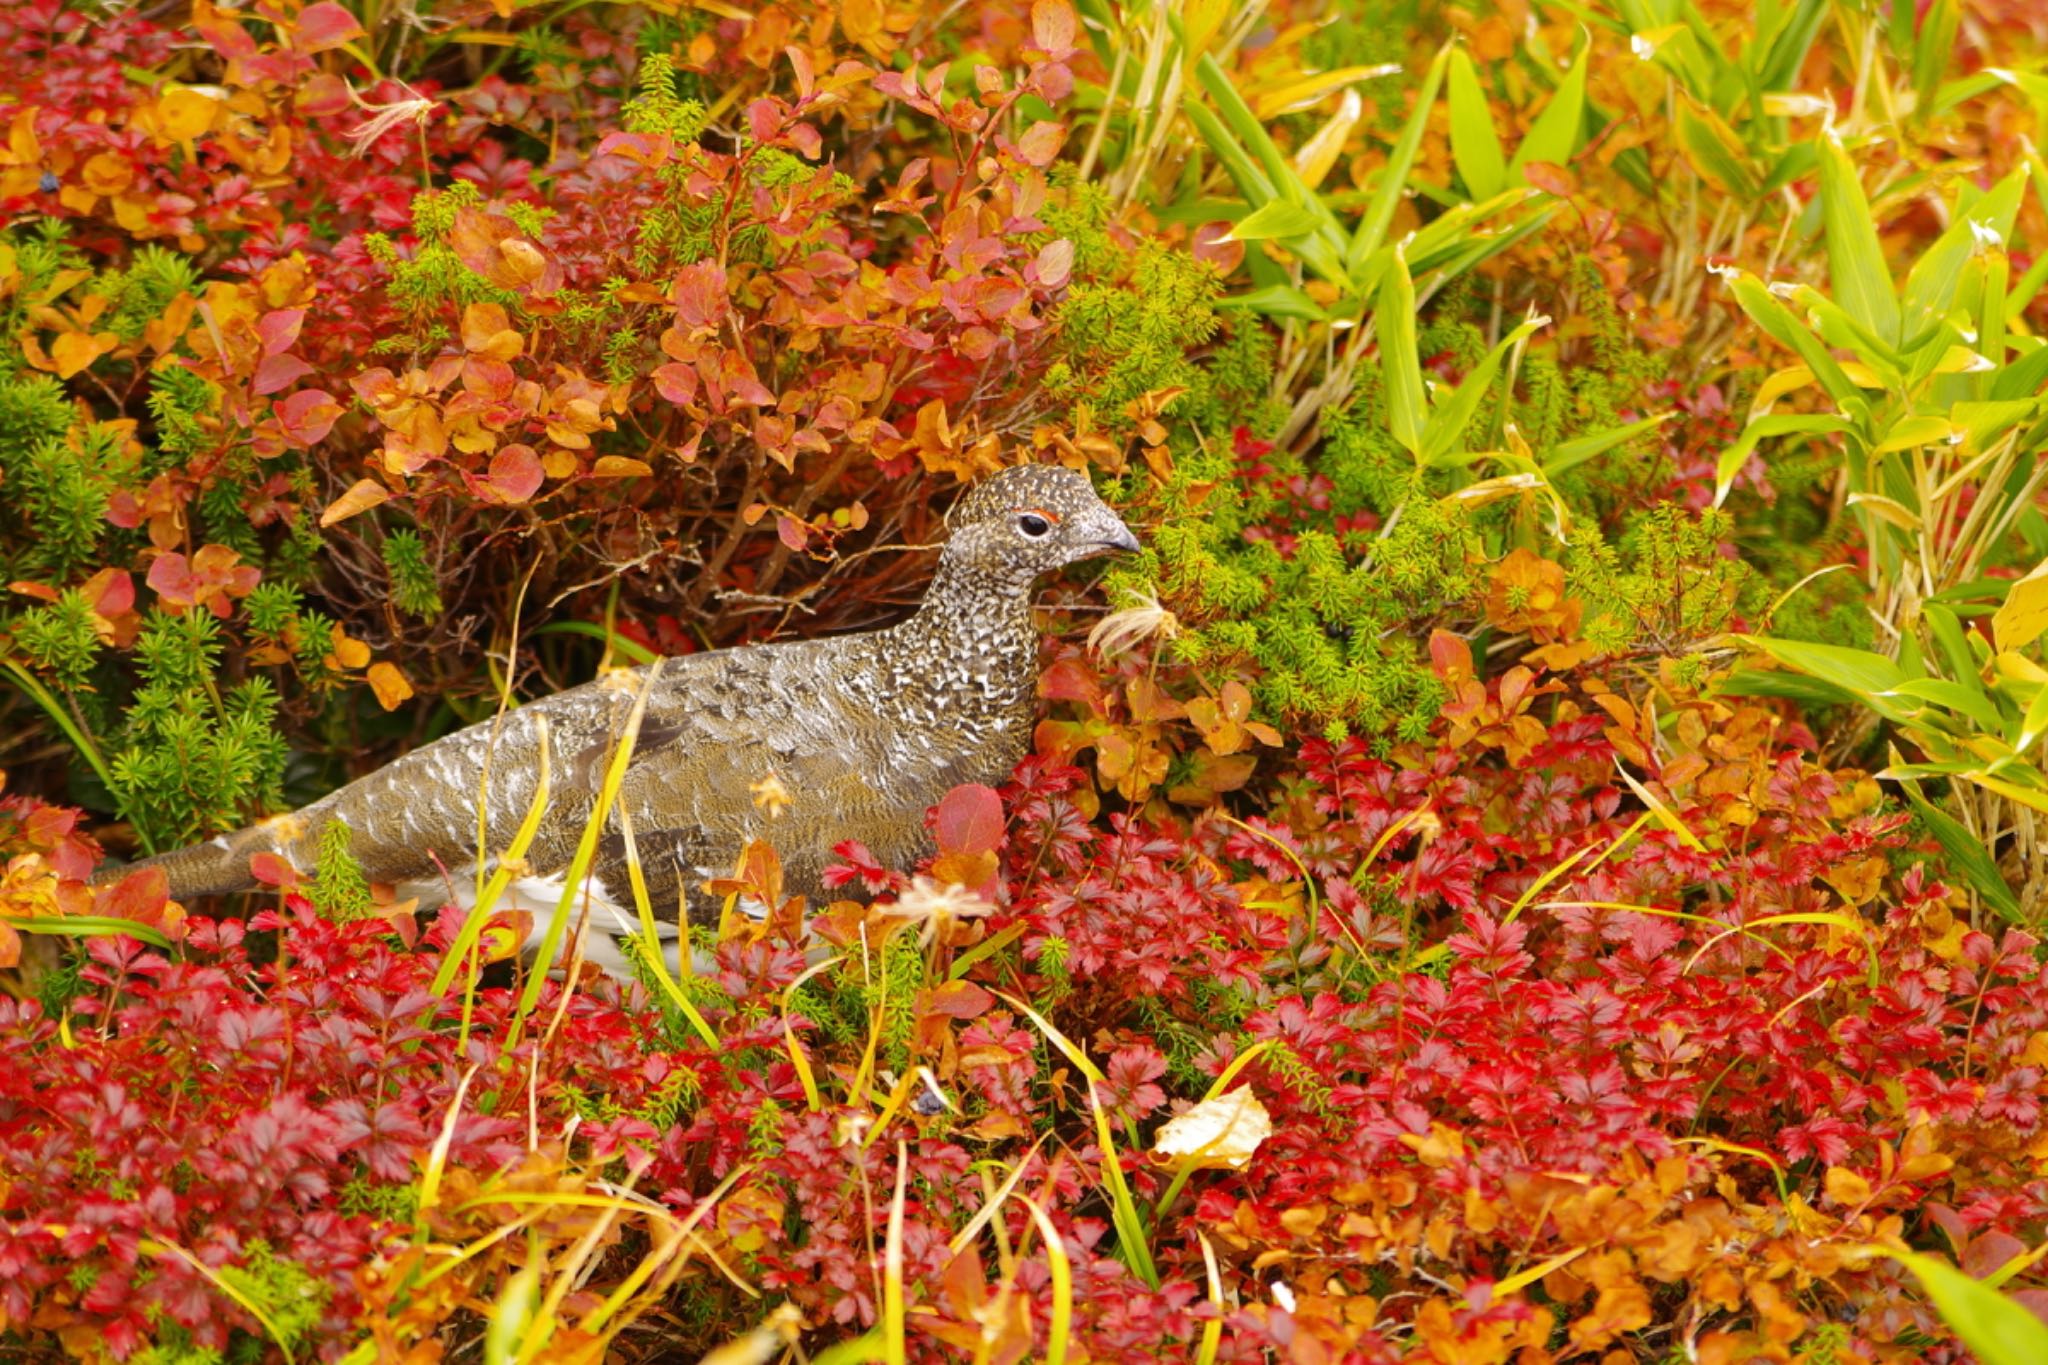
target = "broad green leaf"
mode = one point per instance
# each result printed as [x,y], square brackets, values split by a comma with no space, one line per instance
[1966,853]
[2034,723]
[1445,430]
[1763,428]
[1386,195]
[1572,454]
[1555,134]
[1870,678]
[1862,281]
[1400,364]
[1277,301]
[1910,432]
[1997,1330]
[1281,218]
[1960,698]
[1963,664]
[1935,50]
[2024,376]
[1930,292]
[1787,54]
[1714,150]
[1779,323]
[1475,146]
[1985,424]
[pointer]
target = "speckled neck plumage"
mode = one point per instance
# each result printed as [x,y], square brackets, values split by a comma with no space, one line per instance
[970,649]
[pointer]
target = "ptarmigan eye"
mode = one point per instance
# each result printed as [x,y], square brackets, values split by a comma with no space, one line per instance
[1033,525]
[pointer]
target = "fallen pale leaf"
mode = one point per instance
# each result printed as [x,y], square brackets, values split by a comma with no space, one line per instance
[1218,1133]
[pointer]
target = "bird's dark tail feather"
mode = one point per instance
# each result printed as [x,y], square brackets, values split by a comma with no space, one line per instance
[218,867]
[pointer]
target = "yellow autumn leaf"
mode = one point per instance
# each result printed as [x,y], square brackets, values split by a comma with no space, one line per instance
[389,684]
[2023,615]
[73,351]
[1221,1133]
[184,112]
[361,497]
[619,467]
[1845,1187]
[347,651]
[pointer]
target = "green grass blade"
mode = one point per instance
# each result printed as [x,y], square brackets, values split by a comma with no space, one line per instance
[1555,134]
[1475,146]
[1997,1330]
[1386,195]
[1400,363]
[1862,280]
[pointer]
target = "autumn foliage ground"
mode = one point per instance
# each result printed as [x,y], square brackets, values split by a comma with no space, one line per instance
[1451,914]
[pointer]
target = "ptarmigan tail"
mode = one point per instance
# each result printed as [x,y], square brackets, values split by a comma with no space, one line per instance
[218,867]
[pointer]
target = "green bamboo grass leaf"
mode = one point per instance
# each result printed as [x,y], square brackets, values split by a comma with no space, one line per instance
[1386,194]
[1554,137]
[1571,454]
[1475,146]
[1957,697]
[1281,218]
[1931,285]
[1997,1330]
[1277,301]
[1966,853]
[1444,434]
[87,926]
[1764,428]
[1787,53]
[1400,362]
[1934,50]
[1123,1209]
[586,851]
[1856,264]
[1715,151]
[1947,630]
[1320,246]
[1780,325]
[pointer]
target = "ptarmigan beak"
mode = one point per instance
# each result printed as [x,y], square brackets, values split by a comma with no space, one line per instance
[1106,532]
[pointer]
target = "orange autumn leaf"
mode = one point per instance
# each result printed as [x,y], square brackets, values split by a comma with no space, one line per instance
[389,684]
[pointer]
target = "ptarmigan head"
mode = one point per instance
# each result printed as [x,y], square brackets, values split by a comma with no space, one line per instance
[1028,520]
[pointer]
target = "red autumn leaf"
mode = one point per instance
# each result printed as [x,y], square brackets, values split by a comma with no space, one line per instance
[676,382]
[307,416]
[1041,143]
[271,870]
[969,820]
[790,531]
[325,25]
[279,328]
[700,295]
[956,1000]
[515,475]
[1052,27]
[1055,263]
[278,372]
[1551,179]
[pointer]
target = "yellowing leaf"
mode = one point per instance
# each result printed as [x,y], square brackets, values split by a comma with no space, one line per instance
[1221,1133]
[361,497]
[184,112]
[2023,615]
[389,684]
[619,467]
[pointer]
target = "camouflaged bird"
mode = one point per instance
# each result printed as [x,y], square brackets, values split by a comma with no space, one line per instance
[864,732]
